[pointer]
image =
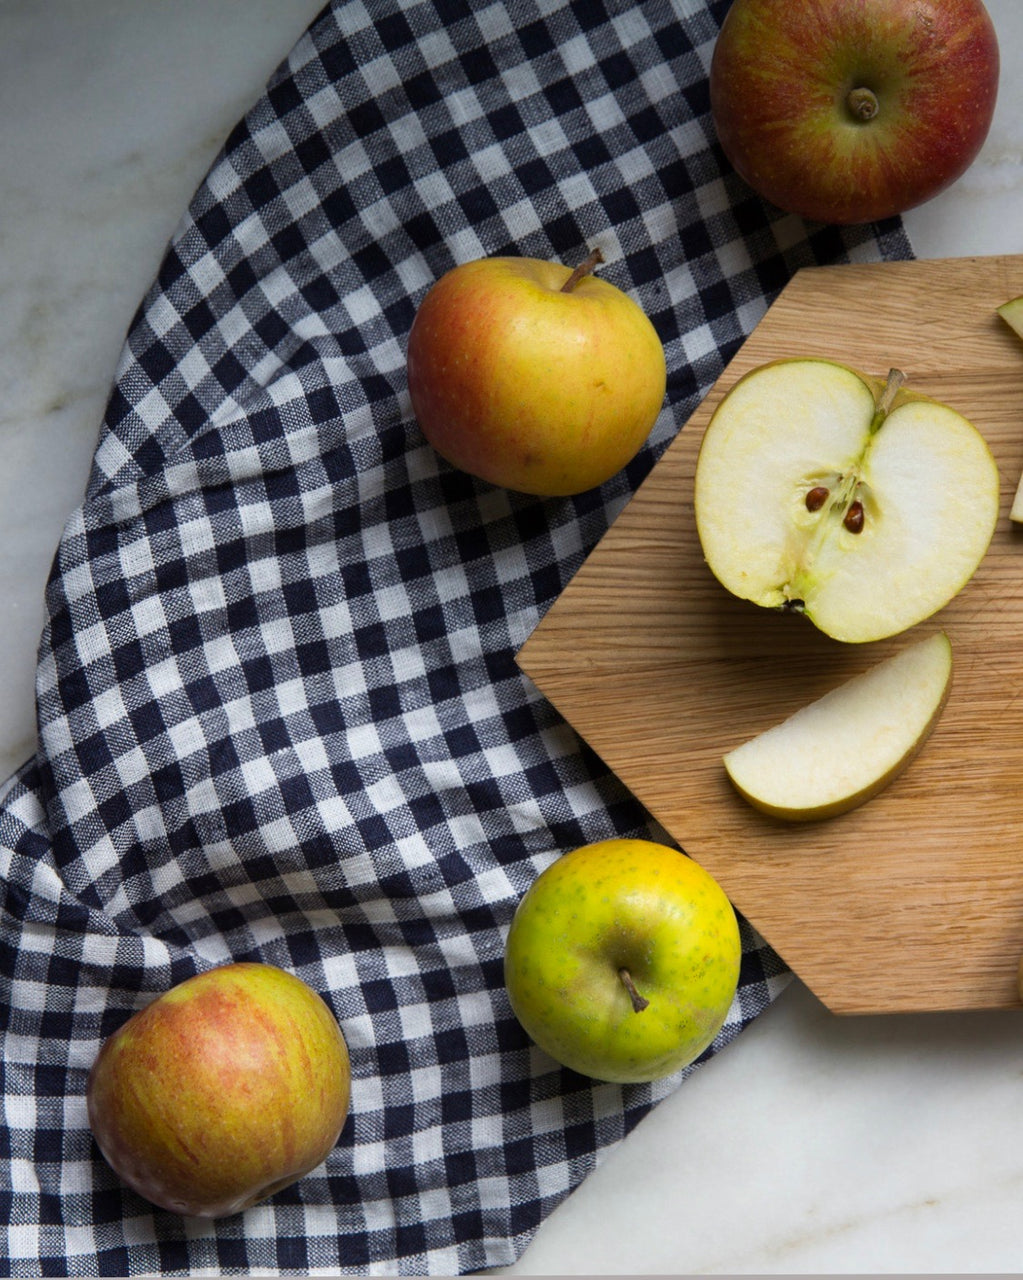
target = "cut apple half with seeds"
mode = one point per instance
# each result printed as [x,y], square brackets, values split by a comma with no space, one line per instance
[838,752]
[859,503]
[1012,313]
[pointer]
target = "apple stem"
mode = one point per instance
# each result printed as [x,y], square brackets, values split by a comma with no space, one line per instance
[862,103]
[583,269]
[638,1001]
[891,389]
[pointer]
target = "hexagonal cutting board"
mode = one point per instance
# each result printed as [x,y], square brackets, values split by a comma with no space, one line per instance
[915,900]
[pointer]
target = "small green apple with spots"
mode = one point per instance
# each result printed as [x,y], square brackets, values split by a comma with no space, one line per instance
[622,960]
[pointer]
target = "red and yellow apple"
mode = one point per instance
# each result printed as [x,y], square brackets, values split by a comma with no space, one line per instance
[847,111]
[532,376]
[224,1090]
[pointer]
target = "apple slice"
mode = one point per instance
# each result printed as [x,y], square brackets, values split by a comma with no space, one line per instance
[1012,313]
[841,750]
[865,506]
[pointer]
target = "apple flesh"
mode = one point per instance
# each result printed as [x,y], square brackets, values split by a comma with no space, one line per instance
[863,505]
[1012,313]
[622,960]
[532,376]
[847,111]
[224,1090]
[838,752]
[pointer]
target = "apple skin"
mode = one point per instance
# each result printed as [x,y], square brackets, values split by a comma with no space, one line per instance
[781,74]
[623,904]
[224,1090]
[1012,313]
[529,387]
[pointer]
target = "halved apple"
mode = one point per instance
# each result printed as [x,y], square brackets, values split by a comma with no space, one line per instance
[841,750]
[1012,313]
[861,504]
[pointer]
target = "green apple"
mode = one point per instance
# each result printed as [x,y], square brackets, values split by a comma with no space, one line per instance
[532,376]
[838,752]
[853,110]
[865,506]
[1012,313]
[622,960]
[222,1091]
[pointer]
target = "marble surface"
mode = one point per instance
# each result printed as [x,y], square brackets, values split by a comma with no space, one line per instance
[813,1144]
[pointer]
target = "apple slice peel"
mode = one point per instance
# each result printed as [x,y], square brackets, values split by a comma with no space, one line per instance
[1012,313]
[841,750]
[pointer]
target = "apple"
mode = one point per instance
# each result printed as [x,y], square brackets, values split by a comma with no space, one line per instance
[1012,313]
[532,376]
[622,960]
[222,1091]
[864,505]
[848,111]
[838,752]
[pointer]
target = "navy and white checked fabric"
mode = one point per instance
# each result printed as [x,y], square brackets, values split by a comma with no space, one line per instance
[279,712]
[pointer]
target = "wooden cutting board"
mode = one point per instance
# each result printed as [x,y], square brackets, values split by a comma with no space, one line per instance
[915,900]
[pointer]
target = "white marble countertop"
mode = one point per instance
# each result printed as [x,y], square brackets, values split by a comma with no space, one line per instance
[814,1143]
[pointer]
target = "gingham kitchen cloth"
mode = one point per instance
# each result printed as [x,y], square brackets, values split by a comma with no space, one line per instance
[279,712]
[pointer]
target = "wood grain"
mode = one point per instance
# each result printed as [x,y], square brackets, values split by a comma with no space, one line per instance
[915,900]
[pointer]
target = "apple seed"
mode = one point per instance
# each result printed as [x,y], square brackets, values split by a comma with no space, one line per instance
[816,497]
[854,517]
